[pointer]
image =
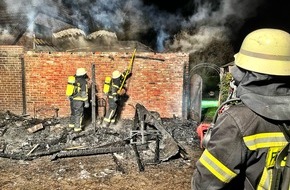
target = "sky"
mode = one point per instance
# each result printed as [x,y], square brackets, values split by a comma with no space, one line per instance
[183,25]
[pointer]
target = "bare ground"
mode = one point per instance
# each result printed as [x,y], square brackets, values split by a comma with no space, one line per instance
[94,172]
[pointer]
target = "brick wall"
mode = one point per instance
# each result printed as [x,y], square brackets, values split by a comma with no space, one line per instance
[11,79]
[156,84]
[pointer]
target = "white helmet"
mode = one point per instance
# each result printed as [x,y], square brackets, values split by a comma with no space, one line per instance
[116,74]
[81,72]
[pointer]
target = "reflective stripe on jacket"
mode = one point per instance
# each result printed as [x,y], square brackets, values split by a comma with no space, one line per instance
[240,153]
[82,89]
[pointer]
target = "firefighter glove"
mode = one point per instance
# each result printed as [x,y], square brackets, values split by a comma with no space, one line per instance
[83,94]
[87,104]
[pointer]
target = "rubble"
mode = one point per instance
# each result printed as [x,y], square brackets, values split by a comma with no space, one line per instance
[35,128]
[25,138]
[144,120]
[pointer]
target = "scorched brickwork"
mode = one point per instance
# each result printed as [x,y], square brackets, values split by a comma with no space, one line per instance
[158,80]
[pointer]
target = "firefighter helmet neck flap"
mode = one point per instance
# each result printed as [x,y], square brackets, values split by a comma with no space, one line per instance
[262,73]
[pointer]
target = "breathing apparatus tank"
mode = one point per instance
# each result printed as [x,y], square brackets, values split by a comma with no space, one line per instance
[107,85]
[70,87]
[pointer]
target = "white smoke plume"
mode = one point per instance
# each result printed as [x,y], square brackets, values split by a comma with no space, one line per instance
[186,42]
[136,20]
[207,24]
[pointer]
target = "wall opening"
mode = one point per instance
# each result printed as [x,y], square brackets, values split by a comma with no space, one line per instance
[204,97]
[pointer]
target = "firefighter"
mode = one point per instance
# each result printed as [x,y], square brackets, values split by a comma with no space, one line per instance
[114,94]
[79,99]
[246,137]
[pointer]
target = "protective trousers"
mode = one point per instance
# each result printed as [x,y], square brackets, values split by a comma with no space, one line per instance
[78,111]
[111,113]
[72,114]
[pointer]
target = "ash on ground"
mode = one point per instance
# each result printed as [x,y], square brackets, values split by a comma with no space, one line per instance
[27,138]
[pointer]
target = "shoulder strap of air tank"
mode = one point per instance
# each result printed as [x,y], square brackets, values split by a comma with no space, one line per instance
[207,135]
[230,101]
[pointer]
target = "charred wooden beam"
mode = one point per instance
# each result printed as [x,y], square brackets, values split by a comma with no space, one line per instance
[93,101]
[47,152]
[23,85]
[118,163]
[15,156]
[157,151]
[151,58]
[138,158]
[59,148]
[89,152]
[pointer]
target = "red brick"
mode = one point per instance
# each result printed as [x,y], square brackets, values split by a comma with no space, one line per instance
[155,84]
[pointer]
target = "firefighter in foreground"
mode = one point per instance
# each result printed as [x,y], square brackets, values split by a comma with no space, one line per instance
[115,91]
[78,98]
[247,137]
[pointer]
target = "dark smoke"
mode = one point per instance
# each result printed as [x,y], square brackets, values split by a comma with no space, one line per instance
[184,25]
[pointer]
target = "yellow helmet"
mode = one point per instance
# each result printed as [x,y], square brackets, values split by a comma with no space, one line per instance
[71,79]
[116,74]
[265,51]
[81,71]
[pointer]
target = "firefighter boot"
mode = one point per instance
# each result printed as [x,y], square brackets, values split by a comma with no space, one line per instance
[71,126]
[77,129]
[78,126]
[105,123]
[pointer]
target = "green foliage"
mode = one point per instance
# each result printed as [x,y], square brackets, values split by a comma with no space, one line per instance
[208,113]
[225,86]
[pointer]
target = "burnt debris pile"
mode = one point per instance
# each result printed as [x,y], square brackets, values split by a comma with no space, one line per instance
[147,137]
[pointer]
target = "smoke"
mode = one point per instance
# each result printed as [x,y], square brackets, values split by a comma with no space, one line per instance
[27,12]
[153,25]
[191,43]
[161,38]
[212,22]
[5,35]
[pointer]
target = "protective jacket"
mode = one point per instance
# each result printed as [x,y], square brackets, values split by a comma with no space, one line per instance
[246,138]
[248,142]
[82,89]
[113,98]
[115,86]
[79,100]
